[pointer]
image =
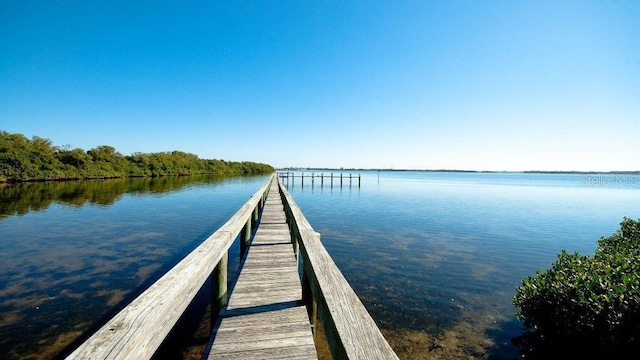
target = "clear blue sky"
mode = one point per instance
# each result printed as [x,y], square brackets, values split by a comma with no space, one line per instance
[478,85]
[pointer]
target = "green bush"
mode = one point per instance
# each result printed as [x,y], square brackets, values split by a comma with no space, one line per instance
[589,300]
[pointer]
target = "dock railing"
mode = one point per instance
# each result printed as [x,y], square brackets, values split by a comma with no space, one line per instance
[139,329]
[286,175]
[350,331]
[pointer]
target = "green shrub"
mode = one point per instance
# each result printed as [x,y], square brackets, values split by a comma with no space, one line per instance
[589,300]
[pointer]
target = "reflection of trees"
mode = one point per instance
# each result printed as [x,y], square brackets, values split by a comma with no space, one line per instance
[20,198]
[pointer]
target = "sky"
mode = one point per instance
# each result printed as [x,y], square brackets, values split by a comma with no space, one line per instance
[462,85]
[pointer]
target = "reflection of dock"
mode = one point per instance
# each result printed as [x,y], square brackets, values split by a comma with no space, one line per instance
[288,288]
[339,178]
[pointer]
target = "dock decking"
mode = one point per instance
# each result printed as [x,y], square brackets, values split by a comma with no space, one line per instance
[287,282]
[265,317]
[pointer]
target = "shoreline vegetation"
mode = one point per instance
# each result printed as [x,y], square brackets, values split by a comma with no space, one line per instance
[37,159]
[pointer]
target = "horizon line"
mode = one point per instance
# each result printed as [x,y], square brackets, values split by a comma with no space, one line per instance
[298,168]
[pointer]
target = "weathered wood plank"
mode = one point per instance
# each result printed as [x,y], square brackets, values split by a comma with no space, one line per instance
[265,317]
[350,330]
[139,329]
[262,324]
[307,352]
[284,341]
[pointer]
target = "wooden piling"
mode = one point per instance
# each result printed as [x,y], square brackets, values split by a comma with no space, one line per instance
[219,296]
[245,237]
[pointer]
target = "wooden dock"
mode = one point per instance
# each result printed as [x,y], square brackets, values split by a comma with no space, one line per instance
[288,283]
[265,317]
[322,178]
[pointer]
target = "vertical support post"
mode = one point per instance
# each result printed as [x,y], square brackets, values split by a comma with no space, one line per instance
[256,210]
[332,180]
[219,296]
[313,319]
[245,237]
[313,178]
[302,179]
[308,293]
[307,297]
[321,179]
[295,239]
[287,214]
[341,180]
[359,180]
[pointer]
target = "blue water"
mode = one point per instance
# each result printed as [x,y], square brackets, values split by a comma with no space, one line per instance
[73,253]
[444,252]
[435,257]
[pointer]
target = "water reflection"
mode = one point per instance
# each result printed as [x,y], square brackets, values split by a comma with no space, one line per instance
[21,198]
[436,257]
[73,253]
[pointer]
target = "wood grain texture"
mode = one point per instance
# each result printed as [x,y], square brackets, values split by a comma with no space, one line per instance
[139,329]
[265,317]
[350,330]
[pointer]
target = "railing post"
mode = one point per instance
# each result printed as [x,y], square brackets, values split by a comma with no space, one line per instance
[295,239]
[245,237]
[307,295]
[219,296]
[139,329]
[332,306]
[256,212]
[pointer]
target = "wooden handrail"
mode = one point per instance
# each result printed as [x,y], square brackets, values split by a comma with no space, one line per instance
[340,176]
[138,330]
[350,330]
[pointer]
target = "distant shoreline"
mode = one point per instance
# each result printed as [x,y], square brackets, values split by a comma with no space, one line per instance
[631,172]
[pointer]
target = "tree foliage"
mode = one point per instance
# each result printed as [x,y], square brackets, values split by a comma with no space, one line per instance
[589,300]
[23,159]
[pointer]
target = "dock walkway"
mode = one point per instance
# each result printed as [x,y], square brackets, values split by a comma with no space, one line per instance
[265,317]
[287,282]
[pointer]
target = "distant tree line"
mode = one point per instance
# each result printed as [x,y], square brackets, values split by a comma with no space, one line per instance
[23,159]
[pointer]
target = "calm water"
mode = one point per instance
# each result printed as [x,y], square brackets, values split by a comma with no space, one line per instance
[72,253]
[435,257]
